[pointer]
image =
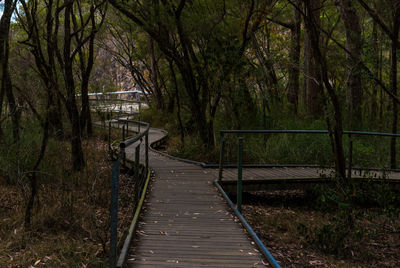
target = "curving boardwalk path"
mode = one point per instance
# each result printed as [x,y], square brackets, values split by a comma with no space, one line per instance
[185,222]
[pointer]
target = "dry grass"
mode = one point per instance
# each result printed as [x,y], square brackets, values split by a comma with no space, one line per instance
[70,223]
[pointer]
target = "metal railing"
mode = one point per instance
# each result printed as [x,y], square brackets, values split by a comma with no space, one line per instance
[138,169]
[240,150]
[239,184]
[116,105]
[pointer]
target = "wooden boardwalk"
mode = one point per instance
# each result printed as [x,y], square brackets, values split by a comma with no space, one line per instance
[186,223]
[288,173]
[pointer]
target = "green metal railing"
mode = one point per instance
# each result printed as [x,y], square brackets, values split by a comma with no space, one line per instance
[139,171]
[240,141]
[239,185]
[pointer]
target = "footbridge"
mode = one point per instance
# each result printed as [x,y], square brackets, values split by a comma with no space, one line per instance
[183,214]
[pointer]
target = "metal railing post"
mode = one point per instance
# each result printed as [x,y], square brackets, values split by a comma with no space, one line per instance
[239,185]
[221,157]
[127,127]
[139,113]
[136,174]
[109,136]
[123,132]
[114,214]
[147,150]
[350,156]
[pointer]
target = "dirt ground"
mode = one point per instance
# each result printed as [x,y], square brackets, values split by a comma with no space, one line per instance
[291,228]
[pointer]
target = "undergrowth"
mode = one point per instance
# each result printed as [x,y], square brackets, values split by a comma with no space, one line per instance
[348,203]
[70,219]
[348,224]
[309,149]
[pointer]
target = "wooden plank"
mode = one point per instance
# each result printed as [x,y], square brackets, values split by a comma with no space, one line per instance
[186,220]
[186,223]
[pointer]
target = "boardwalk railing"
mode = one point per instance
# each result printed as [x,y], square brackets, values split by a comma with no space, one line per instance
[239,189]
[116,105]
[240,140]
[138,169]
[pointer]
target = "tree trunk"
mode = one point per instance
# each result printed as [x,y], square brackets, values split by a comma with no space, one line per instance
[178,103]
[313,82]
[76,142]
[393,85]
[374,99]
[6,85]
[353,45]
[2,92]
[312,27]
[55,120]
[86,69]
[294,55]
[11,102]
[154,76]
[197,103]
[197,111]
[268,63]
[85,117]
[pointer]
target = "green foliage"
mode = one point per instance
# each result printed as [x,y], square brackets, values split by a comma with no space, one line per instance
[309,149]
[343,199]
[17,159]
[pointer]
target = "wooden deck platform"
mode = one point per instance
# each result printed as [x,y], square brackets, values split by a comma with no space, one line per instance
[186,223]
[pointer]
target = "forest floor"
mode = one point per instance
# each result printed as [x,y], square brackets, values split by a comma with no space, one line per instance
[300,235]
[70,222]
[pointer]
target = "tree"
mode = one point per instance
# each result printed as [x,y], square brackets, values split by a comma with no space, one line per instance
[50,58]
[312,89]
[6,84]
[172,36]
[294,72]
[312,24]
[86,60]
[354,45]
[392,32]
[294,53]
